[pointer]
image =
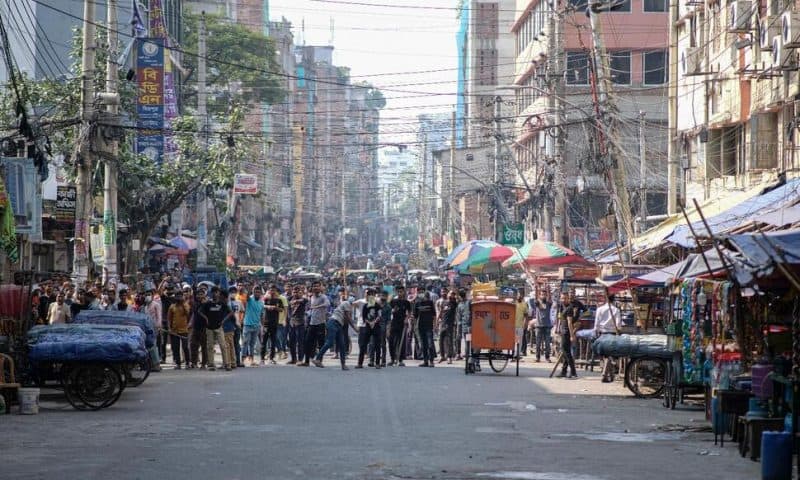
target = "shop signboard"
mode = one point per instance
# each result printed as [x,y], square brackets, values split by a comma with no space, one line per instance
[245,184]
[150,98]
[65,205]
[513,235]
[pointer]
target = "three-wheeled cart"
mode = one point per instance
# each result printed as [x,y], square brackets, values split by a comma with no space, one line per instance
[676,387]
[492,335]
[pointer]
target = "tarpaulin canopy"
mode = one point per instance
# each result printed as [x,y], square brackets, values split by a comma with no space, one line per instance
[770,202]
[781,217]
[695,265]
[758,253]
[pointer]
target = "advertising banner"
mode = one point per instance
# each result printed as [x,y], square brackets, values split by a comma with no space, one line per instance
[65,205]
[245,184]
[150,98]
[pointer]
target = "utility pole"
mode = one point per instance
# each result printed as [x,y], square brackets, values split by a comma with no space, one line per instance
[84,162]
[556,75]
[202,112]
[614,165]
[673,145]
[110,272]
[343,216]
[447,183]
[496,175]
[642,176]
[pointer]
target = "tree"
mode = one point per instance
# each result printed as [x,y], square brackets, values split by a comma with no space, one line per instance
[242,63]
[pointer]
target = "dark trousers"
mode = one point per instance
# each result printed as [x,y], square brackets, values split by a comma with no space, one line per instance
[313,336]
[237,346]
[297,339]
[336,336]
[179,344]
[523,345]
[369,341]
[459,334]
[543,342]
[427,344]
[397,344]
[446,342]
[197,346]
[271,336]
[566,353]
[162,340]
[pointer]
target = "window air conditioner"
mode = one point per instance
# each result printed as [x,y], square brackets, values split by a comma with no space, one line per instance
[790,29]
[768,28]
[739,13]
[780,53]
[690,60]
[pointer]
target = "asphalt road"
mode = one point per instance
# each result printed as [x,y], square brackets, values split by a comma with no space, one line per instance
[285,422]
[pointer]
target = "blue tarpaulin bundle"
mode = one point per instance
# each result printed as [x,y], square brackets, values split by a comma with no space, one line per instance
[86,343]
[113,317]
[632,346]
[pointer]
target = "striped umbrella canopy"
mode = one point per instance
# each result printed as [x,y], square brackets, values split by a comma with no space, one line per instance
[480,254]
[540,253]
[460,248]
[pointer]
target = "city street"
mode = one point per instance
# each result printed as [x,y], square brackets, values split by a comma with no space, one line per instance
[397,423]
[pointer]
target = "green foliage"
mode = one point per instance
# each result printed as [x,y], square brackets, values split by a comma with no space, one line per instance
[374,97]
[237,57]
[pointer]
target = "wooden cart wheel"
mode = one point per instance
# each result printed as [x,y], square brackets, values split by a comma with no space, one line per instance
[97,385]
[498,360]
[645,377]
[136,374]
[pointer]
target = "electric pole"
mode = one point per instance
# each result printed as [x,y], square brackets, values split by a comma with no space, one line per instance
[642,176]
[673,143]
[447,183]
[84,162]
[110,272]
[559,195]
[202,112]
[498,198]
[614,165]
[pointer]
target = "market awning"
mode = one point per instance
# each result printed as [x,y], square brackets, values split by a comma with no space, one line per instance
[782,217]
[752,209]
[695,266]
[656,235]
[759,253]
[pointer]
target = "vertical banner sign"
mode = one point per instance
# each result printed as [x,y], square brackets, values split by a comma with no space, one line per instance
[24,194]
[158,29]
[150,98]
[65,205]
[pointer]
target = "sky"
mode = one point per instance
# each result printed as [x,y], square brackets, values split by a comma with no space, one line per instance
[378,40]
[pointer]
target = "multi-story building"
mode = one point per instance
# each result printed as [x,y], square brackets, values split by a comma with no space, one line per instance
[558,140]
[735,113]
[433,133]
[490,58]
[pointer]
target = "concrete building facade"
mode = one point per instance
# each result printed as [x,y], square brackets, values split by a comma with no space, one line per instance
[558,141]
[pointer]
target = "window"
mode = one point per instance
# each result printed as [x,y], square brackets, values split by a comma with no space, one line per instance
[655,5]
[621,6]
[620,64]
[487,66]
[577,68]
[655,67]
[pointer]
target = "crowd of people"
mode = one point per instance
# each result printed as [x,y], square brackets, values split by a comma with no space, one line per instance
[258,324]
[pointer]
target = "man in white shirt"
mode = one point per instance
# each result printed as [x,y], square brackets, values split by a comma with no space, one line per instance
[58,311]
[607,321]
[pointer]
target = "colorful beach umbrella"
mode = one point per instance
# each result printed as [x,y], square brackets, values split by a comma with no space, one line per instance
[462,247]
[480,254]
[540,253]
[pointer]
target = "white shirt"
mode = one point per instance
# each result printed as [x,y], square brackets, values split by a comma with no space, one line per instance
[358,306]
[607,319]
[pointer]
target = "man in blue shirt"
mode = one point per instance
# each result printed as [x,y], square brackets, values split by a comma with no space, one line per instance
[253,312]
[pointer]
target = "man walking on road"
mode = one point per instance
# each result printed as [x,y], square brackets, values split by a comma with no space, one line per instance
[337,329]
[178,328]
[318,308]
[214,313]
[369,332]
[544,325]
[447,327]
[608,321]
[401,313]
[297,325]
[424,313]
[569,316]
[273,306]
[253,312]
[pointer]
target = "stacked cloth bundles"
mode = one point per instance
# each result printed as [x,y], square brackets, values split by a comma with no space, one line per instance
[632,346]
[115,317]
[86,343]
